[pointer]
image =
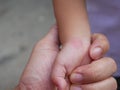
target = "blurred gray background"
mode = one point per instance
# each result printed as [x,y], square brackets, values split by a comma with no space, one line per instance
[22,24]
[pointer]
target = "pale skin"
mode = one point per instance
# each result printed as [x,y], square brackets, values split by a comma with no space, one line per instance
[75,37]
[37,73]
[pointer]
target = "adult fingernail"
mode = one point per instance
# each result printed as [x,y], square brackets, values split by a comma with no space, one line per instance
[76,78]
[75,88]
[97,52]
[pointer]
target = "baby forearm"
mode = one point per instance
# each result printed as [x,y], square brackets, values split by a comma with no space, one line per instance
[72,20]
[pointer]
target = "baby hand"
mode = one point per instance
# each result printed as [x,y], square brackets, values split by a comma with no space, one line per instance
[70,57]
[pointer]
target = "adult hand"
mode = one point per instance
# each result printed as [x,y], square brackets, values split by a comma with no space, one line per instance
[37,74]
[87,76]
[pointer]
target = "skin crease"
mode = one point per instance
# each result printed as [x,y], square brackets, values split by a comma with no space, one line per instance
[74,34]
[37,73]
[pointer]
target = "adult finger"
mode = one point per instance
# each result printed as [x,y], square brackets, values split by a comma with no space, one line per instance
[96,71]
[99,47]
[108,84]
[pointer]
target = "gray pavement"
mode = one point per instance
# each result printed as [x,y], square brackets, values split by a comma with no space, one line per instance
[22,24]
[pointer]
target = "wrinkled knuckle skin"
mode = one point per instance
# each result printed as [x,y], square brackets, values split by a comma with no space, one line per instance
[90,73]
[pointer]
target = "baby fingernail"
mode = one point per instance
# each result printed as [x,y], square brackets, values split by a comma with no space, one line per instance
[97,52]
[76,78]
[75,88]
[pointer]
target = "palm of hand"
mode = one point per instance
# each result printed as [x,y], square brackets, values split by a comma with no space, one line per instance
[32,76]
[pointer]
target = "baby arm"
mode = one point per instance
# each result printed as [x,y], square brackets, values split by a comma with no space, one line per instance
[74,34]
[72,20]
